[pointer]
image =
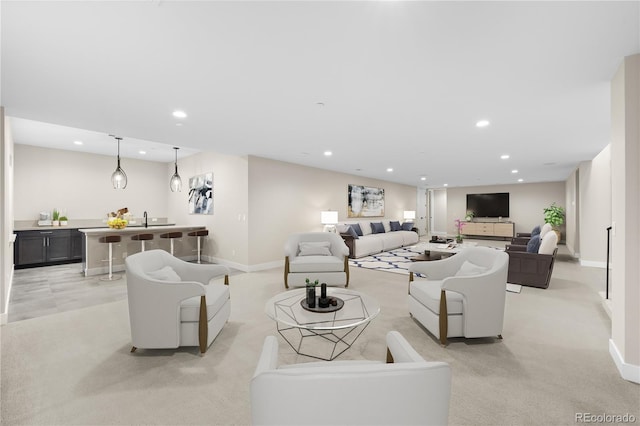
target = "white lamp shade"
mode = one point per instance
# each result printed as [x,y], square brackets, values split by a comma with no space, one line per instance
[409,214]
[328,218]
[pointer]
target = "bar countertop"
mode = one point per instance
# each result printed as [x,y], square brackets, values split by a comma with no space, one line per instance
[138,229]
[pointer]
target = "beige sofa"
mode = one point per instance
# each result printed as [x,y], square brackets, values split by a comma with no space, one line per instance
[371,243]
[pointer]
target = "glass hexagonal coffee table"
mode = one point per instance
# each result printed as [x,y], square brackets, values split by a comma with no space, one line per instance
[321,335]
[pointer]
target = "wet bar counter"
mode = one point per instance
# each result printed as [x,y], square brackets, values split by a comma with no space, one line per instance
[95,254]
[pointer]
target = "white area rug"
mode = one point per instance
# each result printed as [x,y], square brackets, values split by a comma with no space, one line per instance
[398,261]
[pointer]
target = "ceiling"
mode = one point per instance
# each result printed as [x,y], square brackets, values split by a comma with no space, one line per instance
[379,84]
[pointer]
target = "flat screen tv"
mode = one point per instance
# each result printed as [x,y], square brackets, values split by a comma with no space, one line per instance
[489,205]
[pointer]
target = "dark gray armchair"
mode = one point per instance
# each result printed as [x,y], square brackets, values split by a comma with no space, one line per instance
[532,269]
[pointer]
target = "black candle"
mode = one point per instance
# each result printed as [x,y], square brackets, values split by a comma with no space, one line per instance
[323,290]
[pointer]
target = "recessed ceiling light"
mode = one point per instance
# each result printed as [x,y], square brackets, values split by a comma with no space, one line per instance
[179,114]
[77,142]
[514,171]
[482,123]
[328,153]
[520,180]
[504,156]
[446,184]
[423,178]
[389,169]
[142,152]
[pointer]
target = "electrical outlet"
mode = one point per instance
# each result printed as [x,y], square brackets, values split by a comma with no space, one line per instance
[154,219]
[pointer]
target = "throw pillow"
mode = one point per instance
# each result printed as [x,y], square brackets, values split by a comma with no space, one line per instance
[407,226]
[356,227]
[342,228]
[377,228]
[395,226]
[468,269]
[549,243]
[352,232]
[320,248]
[534,244]
[366,228]
[165,274]
[535,230]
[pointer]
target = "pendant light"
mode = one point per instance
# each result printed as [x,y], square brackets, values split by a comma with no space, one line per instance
[176,182]
[119,177]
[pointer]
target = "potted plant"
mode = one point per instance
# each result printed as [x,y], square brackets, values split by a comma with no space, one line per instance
[55,221]
[459,224]
[554,216]
[311,292]
[469,216]
[64,221]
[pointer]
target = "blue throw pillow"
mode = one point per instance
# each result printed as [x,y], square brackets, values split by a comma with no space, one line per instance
[407,226]
[534,244]
[356,227]
[395,226]
[377,228]
[352,232]
[535,231]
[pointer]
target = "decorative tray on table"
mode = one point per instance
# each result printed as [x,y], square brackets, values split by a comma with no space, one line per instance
[317,308]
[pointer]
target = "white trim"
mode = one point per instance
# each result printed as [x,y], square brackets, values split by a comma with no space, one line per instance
[4,317]
[267,265]
[593,264]
[248,268]
[628,372]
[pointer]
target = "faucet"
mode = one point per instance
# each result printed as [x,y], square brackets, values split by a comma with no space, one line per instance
[145,220]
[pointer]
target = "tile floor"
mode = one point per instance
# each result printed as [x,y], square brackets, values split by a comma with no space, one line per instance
[51,289]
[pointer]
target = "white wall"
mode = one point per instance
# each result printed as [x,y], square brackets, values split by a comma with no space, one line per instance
[228,240]
[439,212]
[595,208]
[6,213]
[625,211]
[526,202]
[286,198]
[79,184]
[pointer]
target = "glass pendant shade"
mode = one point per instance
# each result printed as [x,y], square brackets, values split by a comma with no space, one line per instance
[176,182]
[119,177]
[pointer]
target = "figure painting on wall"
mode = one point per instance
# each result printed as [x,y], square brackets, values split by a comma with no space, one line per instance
[201,194]
[365,201]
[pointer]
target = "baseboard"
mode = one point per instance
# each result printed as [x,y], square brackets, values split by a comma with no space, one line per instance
[4,316]
[267,265]
[247,268]
[606,303]
[593,264]
[628,372]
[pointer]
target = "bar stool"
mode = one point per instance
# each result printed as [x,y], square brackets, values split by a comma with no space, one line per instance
[199,234]
[142,238]
[172,236]
[110,239]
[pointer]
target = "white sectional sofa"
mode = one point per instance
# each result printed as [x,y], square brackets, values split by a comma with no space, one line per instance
[371,242]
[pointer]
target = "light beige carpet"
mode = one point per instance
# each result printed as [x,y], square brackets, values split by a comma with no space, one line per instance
[74,368]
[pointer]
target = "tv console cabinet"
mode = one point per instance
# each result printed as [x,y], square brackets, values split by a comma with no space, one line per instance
[489,229]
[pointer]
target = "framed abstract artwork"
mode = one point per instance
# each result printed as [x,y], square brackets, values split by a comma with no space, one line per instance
[365,201]
[201,194]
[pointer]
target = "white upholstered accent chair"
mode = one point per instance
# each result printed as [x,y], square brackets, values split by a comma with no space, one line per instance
[407,390]
[174,303]
[321,256]
[461,296]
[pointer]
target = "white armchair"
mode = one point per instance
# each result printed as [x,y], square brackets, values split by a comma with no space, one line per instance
[172,303]
[321,256]
[461,296]
[407,390]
